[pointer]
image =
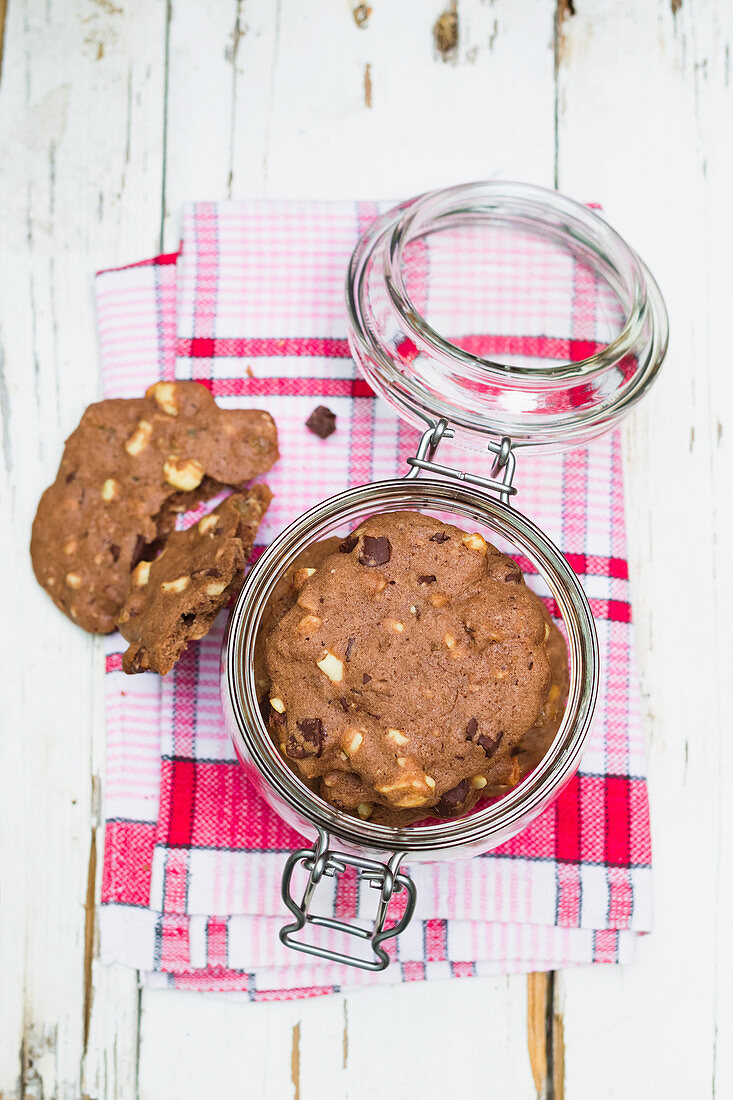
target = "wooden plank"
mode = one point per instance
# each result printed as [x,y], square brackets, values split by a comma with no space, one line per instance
[545,1036]
[290,100]
[80,123]
[261,1045]
[271,100]
[428,122]
[302,100]
[200,110]
[644,90]
[392,1034]
[340,1046]
[538,995]
[3,16]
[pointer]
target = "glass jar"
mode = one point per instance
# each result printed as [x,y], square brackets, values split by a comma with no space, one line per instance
[492,404]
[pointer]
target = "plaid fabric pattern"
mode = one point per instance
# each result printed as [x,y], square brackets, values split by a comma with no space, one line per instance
[252,306]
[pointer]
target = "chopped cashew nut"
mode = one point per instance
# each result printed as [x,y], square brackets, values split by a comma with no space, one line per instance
[109,489]
[474,542]
[207,523]
[332,667]
[216,588]
[141,574]
[180,584]
[138,441]
[300,576]
[165,395]
[308,623]
[184,474]
[352,741]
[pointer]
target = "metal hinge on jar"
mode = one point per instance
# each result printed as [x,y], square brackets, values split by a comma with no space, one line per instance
[505,462]
[319,861]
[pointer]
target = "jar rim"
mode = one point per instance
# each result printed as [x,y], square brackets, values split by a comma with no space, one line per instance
[509,813]
[377,269]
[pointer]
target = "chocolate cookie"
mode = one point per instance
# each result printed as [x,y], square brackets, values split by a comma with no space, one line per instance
[121,468]
[176,598]
[283,597]
[505,774]
[411,667]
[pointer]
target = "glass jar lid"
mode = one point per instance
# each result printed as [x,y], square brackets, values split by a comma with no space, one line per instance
[507,310]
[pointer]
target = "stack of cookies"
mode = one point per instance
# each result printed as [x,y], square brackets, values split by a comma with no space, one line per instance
[103,543]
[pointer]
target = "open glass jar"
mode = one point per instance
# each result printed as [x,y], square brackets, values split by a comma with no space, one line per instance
[415,339]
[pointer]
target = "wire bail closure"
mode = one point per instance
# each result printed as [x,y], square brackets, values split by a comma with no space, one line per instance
[504,459]
[321,862]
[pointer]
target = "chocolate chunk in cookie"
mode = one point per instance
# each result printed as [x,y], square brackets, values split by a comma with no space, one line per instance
[122,469]
[176,598]
[451,801]
[375,550]
[425,658]
[307,740]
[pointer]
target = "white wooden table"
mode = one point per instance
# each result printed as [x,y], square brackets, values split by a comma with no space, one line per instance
[112,113]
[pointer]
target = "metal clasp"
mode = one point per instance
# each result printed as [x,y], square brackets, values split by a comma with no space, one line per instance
[321,862]
[504,460]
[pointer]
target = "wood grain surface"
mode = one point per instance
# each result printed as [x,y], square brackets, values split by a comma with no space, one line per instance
[113,113]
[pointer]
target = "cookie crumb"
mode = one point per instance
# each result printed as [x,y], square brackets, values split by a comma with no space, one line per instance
[322,422]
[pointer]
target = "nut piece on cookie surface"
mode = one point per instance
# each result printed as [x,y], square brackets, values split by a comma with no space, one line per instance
[184,474]
[180,584]
[129,468]
[164,393]
[139,439]
[141,574]
[208,523]
[300,576]
[332,666]
[184,589]
[427,719]
[352,741]
[475,542]
[110,489]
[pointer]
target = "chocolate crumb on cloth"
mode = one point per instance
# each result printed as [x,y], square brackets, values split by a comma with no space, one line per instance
[127,464]
[409,672]
[322,422]
[176,598]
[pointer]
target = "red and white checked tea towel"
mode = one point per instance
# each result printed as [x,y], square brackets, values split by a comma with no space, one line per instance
[253,306]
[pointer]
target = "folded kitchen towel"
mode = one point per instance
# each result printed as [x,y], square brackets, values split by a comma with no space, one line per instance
[252,305]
